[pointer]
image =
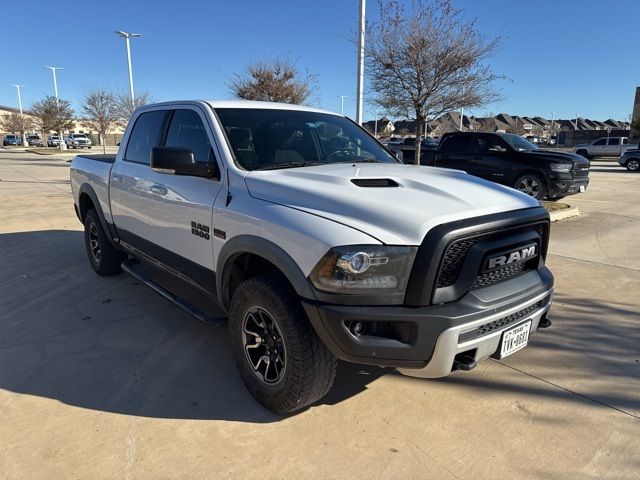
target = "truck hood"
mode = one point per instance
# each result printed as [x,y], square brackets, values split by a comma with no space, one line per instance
[423,198]
[559,156]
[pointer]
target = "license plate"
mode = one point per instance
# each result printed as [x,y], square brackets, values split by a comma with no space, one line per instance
[583,188]
[515,339]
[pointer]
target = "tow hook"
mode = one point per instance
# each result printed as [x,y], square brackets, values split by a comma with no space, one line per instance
[464,361]
[544,322]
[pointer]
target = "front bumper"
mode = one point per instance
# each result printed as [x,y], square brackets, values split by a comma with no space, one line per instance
[567,187]
[424,341]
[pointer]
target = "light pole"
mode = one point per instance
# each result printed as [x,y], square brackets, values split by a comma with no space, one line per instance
[576,125]
[24,133]
[55,81]
[375,123]
[128,36]
[360,84]
[342,97]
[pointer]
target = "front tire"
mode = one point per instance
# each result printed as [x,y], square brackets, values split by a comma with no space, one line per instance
[531,184]
[104,258]
[281,360]
[633,165]
[584,153]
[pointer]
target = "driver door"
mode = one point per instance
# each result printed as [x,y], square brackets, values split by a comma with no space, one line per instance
[181,207]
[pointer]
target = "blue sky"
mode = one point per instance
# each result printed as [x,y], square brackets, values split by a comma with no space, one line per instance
[569,57]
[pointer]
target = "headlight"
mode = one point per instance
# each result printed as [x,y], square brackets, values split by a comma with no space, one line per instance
[358,269]
[561,167]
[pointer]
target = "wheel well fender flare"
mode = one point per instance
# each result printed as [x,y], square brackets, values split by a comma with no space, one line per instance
[87,190]
[261,247]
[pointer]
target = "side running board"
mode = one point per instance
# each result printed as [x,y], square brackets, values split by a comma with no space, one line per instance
[182,304]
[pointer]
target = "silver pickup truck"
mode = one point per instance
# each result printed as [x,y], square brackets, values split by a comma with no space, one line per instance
[605,147]
[316,243]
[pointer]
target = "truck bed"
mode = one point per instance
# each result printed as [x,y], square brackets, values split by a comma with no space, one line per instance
[93,170]
[106,158]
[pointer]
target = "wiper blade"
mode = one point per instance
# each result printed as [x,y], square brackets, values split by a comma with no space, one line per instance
[276,166]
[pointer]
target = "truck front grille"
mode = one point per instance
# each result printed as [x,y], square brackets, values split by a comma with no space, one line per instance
[456,253]
[580,171]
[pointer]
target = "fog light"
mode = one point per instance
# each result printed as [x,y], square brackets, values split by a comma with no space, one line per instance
[357,328]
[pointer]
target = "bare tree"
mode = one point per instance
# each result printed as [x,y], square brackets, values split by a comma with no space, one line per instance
[428,61]
[15,123]
[277,80]
[100,112]
[125,107]
[53,115]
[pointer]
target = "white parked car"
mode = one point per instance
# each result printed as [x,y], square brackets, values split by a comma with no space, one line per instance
[317,243]
[77,140]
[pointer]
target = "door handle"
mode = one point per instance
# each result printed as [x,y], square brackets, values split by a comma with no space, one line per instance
[115,178]
[158,189]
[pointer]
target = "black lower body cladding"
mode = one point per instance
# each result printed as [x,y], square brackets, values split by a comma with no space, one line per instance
[409,335]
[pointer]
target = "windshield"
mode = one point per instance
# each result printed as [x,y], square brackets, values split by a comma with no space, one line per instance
[264,139]
[519,143]
[79,136]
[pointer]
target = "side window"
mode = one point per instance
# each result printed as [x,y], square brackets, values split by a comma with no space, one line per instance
[144,136]
[614,141]
[187,130]
[485,144]
[602,141]
[457,144]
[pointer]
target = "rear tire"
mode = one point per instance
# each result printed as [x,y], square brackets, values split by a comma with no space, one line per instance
[104,258]
[531,184]
[281,360]
[633,165]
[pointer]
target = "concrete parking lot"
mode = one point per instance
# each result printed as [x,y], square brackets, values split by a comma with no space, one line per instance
[101,378]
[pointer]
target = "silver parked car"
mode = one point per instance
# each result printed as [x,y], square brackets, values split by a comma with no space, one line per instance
[53,140]
[77,140]
[630,160]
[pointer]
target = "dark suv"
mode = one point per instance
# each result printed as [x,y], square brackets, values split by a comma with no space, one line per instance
[513,161]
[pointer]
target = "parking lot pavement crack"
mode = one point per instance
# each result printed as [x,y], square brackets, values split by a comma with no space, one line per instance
[586,397]
[594,263]
[420,449]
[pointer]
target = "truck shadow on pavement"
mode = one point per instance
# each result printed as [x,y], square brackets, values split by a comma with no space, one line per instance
[111,344]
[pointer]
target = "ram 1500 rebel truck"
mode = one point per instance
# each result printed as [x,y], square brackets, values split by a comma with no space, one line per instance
[317,243]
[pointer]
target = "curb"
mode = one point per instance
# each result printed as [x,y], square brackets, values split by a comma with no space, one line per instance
[563,214]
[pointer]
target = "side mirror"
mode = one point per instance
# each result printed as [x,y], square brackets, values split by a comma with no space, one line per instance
[180,161]
[497,149]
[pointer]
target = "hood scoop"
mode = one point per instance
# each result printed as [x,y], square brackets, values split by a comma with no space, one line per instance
[374,182]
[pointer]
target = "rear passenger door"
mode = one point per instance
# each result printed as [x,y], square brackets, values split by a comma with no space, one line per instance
[455,151]
[613,147]
[180,206]
[129,182]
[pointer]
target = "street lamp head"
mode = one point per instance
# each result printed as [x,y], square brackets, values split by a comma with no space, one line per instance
[126,34]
